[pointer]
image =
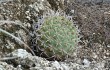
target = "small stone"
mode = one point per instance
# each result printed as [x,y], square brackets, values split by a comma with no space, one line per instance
[72,11]
[19,67]
[94,55]
[65,67]
[57,65]
[108,46]
[48,68]
[86,62]
[1,67]
[20,53]
[104,57]
[108,54]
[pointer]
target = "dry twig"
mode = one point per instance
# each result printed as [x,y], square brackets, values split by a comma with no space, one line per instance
[17,39]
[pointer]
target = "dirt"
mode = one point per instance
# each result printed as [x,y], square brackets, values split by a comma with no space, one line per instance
[20,19]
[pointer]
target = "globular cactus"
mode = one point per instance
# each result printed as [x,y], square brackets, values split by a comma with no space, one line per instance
[57,37]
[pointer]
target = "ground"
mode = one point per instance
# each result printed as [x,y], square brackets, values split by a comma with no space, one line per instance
[20,19]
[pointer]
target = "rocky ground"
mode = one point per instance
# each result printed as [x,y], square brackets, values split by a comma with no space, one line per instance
[92,20]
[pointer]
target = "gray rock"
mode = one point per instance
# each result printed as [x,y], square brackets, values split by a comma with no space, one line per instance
[1,67]
[57,65]
[86,62]
[65,67]
[20,53]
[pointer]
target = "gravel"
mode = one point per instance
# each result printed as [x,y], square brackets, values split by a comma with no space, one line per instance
[29,62]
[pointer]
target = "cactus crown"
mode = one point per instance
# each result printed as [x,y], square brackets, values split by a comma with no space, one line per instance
[58,37]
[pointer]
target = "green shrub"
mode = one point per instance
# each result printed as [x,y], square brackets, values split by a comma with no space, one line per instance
[58,37]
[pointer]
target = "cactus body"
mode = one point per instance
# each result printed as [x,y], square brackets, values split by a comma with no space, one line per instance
[57,37]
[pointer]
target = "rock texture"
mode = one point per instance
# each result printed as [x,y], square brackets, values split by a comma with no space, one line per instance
[29,62]
[93,1]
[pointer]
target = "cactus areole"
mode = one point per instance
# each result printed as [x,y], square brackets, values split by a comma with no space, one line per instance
[56,38]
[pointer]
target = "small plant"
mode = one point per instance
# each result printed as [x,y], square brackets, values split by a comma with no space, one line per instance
[57,37]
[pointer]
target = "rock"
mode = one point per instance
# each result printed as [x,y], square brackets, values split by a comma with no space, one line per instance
[1,67]
[57,65]
[48,68]
[72,11]
[108,46]
[19,67]
[65,67]
[86,62]
[94,55]
[5,66]
[20,53]
[24,58]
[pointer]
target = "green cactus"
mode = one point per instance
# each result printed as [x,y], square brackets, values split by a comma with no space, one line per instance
[58,37]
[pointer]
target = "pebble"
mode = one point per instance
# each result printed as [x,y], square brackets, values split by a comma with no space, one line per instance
[57,65]
[86,62]
[65,67]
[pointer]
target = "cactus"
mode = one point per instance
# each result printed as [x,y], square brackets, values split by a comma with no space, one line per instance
[57,37]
